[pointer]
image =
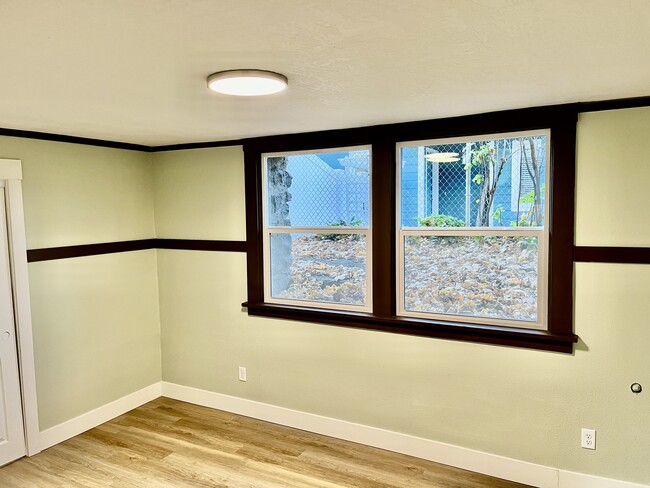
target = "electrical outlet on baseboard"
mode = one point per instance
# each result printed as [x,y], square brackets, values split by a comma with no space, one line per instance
[588,439]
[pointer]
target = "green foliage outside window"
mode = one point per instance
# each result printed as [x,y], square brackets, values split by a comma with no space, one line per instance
[440,220]
[353,222]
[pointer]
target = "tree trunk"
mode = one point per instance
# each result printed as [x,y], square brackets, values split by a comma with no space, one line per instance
[487,190]
[537,208]
[483,214]
[521,167]
[279,182]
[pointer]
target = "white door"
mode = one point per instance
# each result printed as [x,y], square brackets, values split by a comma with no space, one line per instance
[12,433]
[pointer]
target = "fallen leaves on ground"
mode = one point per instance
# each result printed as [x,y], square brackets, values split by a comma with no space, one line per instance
[476,276]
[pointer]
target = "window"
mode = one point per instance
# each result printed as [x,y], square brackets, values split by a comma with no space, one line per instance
[464,253]
[316,228]
[457,228]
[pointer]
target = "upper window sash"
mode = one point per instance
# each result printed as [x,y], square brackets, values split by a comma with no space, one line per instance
[439,174]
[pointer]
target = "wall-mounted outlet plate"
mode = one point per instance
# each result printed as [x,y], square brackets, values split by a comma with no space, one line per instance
[242,373]
[588,439]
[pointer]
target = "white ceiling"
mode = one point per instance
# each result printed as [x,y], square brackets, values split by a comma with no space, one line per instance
[135,70]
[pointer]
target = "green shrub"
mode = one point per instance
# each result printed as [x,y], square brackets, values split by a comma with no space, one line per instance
[440,220]
[354,222]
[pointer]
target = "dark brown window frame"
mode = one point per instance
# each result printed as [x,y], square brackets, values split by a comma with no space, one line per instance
[561,120]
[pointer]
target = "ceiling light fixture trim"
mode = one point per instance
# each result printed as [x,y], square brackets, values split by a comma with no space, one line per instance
[247,82]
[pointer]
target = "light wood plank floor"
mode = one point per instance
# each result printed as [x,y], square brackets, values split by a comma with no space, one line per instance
[167,443]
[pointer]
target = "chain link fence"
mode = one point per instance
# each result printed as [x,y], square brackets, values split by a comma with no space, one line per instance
[323,189]
[487,183]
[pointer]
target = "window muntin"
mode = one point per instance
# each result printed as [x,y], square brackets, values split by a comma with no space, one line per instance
[464,254]
[316,232]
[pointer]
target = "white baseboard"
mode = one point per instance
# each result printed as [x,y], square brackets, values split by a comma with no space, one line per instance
[479,462]
[88,420]
[569,479]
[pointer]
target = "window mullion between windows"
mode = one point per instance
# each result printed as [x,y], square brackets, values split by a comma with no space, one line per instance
[383,230]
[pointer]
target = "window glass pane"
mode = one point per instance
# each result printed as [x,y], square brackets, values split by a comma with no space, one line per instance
[478,276]
[319,267]
[319,189]
[483,183]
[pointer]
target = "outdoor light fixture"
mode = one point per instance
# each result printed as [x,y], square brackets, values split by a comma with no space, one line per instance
[247,82]
[442,157]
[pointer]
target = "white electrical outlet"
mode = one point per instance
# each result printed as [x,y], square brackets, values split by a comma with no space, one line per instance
[588,439]
[242,373]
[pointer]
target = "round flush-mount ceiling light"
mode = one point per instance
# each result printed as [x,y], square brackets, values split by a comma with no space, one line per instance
[247,82]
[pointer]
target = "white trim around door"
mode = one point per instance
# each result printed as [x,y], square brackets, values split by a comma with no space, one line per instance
[11,172]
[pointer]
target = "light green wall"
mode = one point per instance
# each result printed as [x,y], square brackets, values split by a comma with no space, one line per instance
[613,176]
[199,195]
[95,319]
[524,404]
[96,331]
[77,194]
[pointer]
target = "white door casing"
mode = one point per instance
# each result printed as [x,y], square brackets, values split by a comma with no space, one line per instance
[12,433]
[15,317]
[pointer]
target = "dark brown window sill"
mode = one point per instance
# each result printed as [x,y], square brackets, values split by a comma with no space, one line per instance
[525,338]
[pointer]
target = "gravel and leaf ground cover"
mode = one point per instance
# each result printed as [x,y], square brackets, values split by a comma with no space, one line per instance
[475,276]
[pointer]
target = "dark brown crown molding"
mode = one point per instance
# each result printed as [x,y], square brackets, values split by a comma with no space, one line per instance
[592,106]
[616,104]
[360,133]
[198,145]
[46,136]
